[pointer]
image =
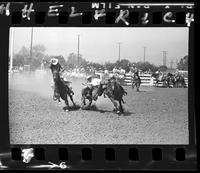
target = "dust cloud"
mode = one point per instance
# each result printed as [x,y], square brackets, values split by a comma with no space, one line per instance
[39,83]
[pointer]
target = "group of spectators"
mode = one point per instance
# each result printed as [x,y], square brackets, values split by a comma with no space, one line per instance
[176,73]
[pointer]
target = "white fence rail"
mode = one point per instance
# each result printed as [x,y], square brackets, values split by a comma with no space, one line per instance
[146,80]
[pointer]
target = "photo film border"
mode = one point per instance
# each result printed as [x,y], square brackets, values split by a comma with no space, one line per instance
[100,157]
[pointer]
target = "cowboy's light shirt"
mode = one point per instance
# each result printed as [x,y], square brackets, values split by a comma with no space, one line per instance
[94,82]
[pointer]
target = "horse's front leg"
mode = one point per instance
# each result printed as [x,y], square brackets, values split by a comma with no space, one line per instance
[115,105]
[133,84]
[83,100]
[138,85]
[66,108]
[83,103]
[90,102]
[71,98]
[120,107]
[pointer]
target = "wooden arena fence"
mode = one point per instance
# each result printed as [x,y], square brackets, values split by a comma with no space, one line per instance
[146,80]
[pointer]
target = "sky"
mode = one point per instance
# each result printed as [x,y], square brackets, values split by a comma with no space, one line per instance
[101,44]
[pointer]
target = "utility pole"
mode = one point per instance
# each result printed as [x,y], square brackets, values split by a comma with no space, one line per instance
[171,64]
[176,62]
[144,52]
[164,57]
[11,48]
[31,54]
[119,50]
[78,48]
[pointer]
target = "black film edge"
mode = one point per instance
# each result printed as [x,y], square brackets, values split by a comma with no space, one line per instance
[98,156]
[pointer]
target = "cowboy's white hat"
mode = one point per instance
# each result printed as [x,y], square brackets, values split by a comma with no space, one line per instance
[54,61]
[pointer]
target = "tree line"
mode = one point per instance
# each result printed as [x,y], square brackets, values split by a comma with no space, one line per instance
[23,57]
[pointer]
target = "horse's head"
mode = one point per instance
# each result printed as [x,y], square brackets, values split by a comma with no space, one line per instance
[56,75]
[55,72]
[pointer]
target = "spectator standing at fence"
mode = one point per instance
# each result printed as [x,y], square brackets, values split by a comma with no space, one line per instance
[105,76]
[157,72]
[21,68]
[122,71]
[134,69]
[160,76]
[115,70]
[176,73]
[135,73]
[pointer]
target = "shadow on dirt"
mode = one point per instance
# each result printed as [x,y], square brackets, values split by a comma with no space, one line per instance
[73,108]
[141,91]
[94,108]
[127,113]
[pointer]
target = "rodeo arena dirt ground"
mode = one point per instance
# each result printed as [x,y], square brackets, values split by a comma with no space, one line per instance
[152,116]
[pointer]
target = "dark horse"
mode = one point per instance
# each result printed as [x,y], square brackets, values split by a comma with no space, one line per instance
[165,79]
[179,81]
[112,89]
[170,80]
[89,94]
[61,90]
[136,81]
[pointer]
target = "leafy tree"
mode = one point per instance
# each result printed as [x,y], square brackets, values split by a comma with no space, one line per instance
[124,63]
[60,58]
[162,68]
[183,63]
[109,66]
[96,66]
[18,60]
[72,60]
[38,52]
[25,52]
[146,66]
[23,56]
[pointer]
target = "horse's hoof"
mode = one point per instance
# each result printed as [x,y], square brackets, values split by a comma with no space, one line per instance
[66,109]
[118,112]
[114,110]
